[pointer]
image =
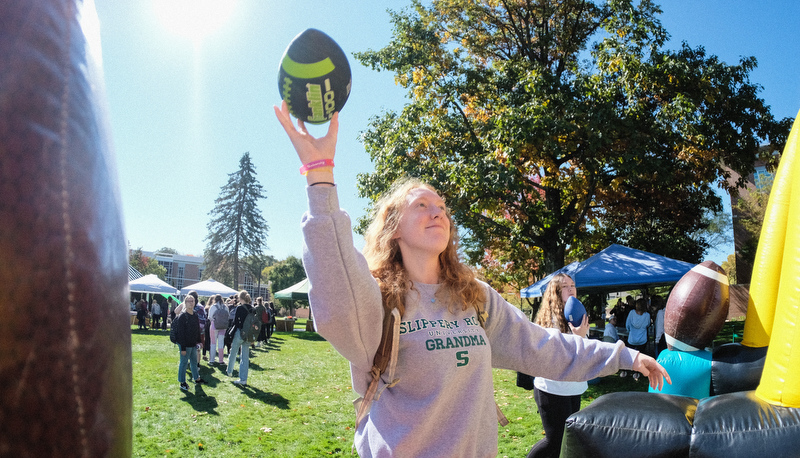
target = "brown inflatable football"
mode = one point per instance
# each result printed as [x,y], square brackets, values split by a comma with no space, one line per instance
[697,308]
[65,340]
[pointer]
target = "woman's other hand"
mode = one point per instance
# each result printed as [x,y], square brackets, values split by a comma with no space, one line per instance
[583,329]
[650,368]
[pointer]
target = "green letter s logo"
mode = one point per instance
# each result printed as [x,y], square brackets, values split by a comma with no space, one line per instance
[463,358]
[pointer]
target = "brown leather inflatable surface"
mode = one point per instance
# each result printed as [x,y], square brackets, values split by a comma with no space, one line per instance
[65,346]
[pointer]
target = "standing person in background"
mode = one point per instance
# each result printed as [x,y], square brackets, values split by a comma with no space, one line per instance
[218,316]
[164,313]
[155,311]
[231,316]
[272,320]
[555,399]
[262,311]
[141,314]
[199,309]
[636,324]
[409,279]
[660,338]
[187,332]
[238,343]
[171,305]
[610,333]
[207,331]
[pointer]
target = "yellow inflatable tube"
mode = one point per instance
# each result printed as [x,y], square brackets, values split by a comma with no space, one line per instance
[775,287]
[768,263]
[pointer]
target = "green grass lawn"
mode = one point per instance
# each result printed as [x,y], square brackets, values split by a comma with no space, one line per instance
[298,403]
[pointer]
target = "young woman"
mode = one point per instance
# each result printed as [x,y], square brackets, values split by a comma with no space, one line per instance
[238,343]
[187,328]
[218,316]
[637,324]
[141,314]
[261,311]
[443,403]
[556,400]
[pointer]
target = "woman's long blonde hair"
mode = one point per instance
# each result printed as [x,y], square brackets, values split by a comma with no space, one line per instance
[385,261]
[551,313]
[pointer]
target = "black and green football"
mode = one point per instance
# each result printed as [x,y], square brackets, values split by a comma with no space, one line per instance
[314,77]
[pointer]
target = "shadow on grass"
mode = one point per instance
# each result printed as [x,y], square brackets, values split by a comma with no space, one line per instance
[274,344]
[310,336]
[200,401]
[150,331]
[273,399]
[614,384]
[213,375]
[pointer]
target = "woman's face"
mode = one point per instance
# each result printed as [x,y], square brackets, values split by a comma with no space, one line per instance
[189,304]
[567,289]
[424,226]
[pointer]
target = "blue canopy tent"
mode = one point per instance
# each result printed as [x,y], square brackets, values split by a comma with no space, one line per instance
[617,268]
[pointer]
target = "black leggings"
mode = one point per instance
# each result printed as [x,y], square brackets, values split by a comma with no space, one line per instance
[554,410]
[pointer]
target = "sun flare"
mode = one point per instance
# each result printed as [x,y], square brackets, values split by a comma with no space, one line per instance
[193,19]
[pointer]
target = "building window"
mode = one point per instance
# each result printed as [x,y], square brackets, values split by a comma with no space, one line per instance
[763,178]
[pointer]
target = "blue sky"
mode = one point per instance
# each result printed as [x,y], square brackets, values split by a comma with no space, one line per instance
[184,106]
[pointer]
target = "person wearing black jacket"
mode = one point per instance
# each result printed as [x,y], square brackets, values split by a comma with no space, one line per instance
[187,335]
[238,322]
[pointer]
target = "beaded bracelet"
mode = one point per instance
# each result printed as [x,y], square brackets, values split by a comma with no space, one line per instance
[315,165]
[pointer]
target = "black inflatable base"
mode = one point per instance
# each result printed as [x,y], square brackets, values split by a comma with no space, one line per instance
[735,367]
[632,424]
[734,425]
[740,425]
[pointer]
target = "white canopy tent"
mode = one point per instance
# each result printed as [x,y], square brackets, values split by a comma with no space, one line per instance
[208,287]
[151,284]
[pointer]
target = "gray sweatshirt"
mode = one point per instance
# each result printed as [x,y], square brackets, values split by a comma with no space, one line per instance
[443,404]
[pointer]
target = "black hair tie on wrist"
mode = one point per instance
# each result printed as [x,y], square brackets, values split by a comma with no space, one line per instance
[322,182]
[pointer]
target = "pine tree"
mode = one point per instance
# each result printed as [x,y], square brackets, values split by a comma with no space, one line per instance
[237,229]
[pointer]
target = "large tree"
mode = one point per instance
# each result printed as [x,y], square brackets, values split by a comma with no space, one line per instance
[748,215]
[284,274]
[237,229]
[558,127]
[146,265]
[256,266]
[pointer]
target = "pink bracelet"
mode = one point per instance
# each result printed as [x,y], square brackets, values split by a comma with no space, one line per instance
[315,165]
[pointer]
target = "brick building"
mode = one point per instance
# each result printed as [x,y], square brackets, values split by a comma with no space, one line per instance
[184,270]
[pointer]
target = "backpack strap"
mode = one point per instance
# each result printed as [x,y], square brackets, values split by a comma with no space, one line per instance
[386,355]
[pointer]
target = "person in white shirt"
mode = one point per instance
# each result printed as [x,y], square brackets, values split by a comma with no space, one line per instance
[556,399]
[610,333]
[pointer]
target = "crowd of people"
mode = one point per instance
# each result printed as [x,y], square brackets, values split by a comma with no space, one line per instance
[643,321]
[200,328]
[410,290]
[156,313]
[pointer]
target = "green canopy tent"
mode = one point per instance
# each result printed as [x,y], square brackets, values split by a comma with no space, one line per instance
[296,292]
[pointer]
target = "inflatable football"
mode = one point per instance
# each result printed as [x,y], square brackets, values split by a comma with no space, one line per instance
[314,77]
[697,308]
[574,311]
